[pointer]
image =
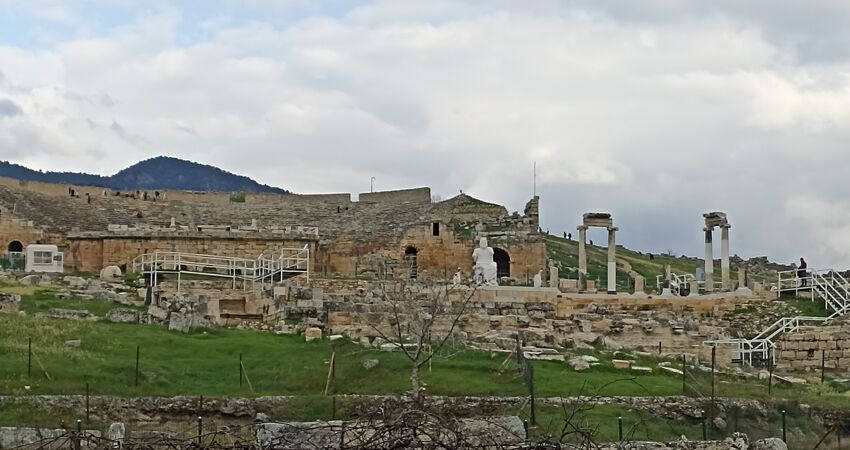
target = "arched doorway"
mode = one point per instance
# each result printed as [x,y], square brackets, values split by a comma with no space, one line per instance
[503,262]
[410,254]
[16,247]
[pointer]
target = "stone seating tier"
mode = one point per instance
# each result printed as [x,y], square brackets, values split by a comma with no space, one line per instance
[363,220]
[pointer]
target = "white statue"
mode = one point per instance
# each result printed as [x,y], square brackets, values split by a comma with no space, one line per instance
[485,268]
[457,278]
[538,279]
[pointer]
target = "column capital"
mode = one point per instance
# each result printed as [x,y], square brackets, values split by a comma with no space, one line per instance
[613,229]
[725,226]
[708,229]
[582,227]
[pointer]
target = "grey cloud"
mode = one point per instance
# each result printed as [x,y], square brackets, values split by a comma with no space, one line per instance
[119,130]
[9,108]
[656,111]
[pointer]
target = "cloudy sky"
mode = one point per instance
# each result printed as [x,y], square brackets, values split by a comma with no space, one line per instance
[655,110]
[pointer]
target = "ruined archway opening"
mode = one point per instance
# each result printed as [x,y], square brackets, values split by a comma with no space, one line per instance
[16,247]
[503,262]
[410,256]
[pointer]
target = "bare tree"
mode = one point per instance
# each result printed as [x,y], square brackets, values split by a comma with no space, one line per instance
[423,317]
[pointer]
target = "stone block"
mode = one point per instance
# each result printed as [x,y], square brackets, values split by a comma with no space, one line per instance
[312,334]
[9,303]
[123,315]
[621,363]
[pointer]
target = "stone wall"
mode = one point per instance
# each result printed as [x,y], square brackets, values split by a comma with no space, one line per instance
[12,229]
[544,317]
[90,254]
[415,195]
[802,351]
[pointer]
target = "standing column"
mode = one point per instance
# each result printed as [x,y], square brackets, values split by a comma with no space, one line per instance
[709,261]
[582,258]
[612,261]
[724,257]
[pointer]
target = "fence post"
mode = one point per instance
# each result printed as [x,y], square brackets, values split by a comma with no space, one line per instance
[704,431]
[684,375]
[78,435]
[87,404]
[783,427]
[29,358]
[659,347]
[713,359]
[822,365]
[200,428]
[769,373]
[531,390]
[620,427]
[333,407]
[240,370]
[138,349]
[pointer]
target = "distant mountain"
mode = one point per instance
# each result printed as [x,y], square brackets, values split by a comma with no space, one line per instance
[162,172]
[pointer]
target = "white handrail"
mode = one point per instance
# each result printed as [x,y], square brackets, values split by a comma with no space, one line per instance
[258,271]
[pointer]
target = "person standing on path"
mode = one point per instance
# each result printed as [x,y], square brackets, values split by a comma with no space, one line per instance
[801,272]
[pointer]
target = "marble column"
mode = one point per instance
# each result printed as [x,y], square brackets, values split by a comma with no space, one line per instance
[554,280]
[612,260]
[639,284]
[582,258]
[709,261]
[724,257]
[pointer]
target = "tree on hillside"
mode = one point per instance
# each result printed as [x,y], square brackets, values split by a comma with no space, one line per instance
[423,317]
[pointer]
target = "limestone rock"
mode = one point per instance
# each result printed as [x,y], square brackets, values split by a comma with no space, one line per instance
[73,343]
[369,364]
[579,364]
[71,314]
[621,363]
[313,334]
[116,432]
[769,444]
[30,280]
[110,273]
[9,303]
[642,369]
[178,321]
[123,315]
[334,337]
[719,423]
[671,370]
[76,282]
[606,343]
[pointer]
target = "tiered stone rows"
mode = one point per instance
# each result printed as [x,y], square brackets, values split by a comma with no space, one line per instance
[356,220]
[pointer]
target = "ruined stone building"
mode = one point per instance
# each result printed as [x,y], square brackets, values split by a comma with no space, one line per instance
[393,234]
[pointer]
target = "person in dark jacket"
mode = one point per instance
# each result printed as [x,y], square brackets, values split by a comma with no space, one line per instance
[801,272]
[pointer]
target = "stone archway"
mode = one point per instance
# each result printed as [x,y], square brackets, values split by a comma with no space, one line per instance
[410,256]
[16,247]
[503,262]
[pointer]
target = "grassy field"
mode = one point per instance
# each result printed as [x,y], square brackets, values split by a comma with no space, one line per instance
[206,363]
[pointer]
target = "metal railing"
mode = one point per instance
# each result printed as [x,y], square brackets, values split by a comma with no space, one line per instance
[255,275]
[827,284]
[677,282]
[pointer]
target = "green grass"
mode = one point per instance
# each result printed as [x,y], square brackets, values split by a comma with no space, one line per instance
[43,300]
[33,415]
[807,307]
[564,253]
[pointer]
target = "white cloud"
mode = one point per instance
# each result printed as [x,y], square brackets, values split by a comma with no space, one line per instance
[656,114]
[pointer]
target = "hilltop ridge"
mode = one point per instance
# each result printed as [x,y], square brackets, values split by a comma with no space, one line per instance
[161,172]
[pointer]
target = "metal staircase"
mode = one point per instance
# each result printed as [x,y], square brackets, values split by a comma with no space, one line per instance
[679,284]
[254,275]
[827,284]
